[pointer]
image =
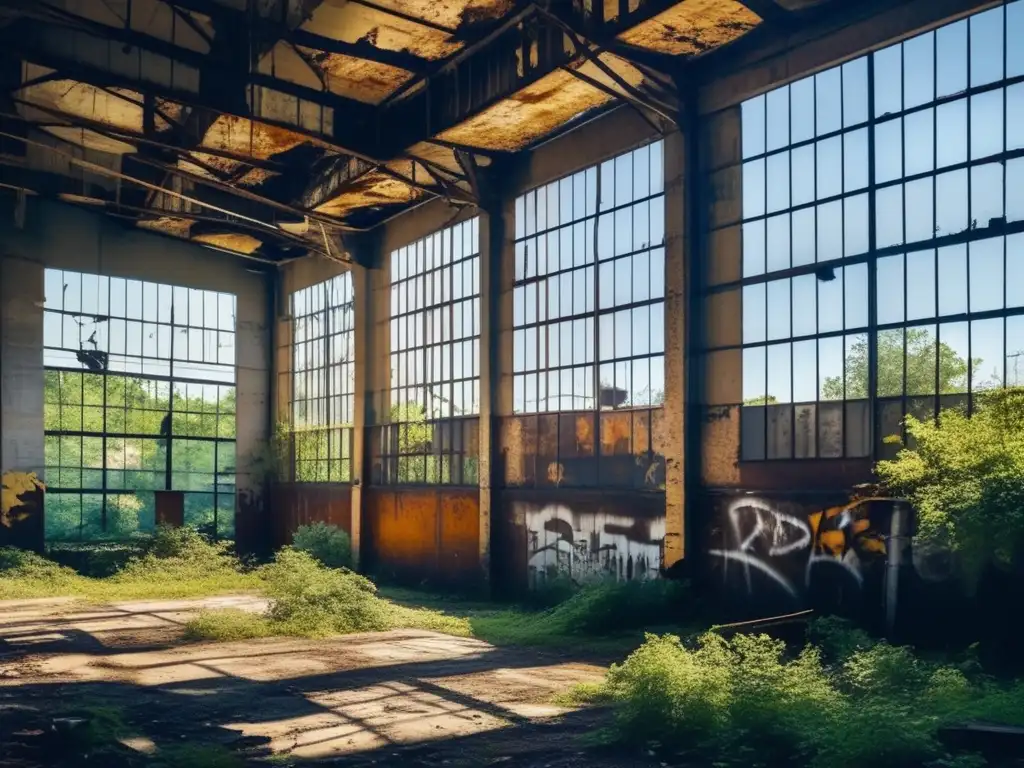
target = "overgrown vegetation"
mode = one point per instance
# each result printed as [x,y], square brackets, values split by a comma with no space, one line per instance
[746,701]
[327,543]
[311,600]
[606,609]
[965,478]
[174,562]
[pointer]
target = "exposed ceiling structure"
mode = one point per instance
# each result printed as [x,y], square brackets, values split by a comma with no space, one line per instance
[268,127]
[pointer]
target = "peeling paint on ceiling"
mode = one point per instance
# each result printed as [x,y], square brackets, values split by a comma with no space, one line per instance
[367,81]
[341,20]
[539,109]
[372,189]
[693,27]
[168,225]
[231,241]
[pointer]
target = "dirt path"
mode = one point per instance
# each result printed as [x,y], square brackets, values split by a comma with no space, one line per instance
[416,697]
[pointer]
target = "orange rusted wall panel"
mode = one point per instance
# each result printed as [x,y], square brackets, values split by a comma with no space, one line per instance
[296,504]
[422,534]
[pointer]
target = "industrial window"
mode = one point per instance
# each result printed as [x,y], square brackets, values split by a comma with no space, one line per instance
[589,327]
[432,434]
[588,306]
[323,381]
[883,240]
[139,397]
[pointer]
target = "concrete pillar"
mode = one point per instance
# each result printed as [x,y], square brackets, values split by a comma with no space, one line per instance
[360,438]
[494,247]
[677,245]
[21,402]
[21,365]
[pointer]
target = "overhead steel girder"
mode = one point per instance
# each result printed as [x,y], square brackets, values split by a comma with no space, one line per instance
[487,72]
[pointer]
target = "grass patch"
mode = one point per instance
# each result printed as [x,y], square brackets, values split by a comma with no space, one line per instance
[174,563]
[746,701]
[604,615]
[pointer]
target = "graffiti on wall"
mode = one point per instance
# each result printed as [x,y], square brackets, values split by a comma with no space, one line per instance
[763,542]
[587,545]
[13,486]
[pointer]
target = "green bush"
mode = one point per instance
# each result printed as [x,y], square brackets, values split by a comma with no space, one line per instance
[965,478]
[180,553]
[327,543]
[312,600]
[744,701]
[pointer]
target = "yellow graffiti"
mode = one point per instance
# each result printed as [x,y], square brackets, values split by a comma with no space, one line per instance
[15,484]
[833,541]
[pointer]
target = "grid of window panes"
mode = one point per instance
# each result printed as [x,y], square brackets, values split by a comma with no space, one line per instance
[588,306]
[323,380]
[893,182]
[139,397]
[435,361]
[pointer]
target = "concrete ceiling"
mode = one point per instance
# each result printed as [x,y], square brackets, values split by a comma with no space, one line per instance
[270,127]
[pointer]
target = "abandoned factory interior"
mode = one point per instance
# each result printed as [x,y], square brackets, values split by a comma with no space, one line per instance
[506,290]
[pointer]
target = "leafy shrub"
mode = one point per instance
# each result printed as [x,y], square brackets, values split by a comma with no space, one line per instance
[180,554]
[837,637]
[327,543]
[965,477]
[317,601]
[745,702]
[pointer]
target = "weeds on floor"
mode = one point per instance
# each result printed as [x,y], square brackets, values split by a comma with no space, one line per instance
[744,701]
[605,609]
[175,562]
[311,600]
[327,543]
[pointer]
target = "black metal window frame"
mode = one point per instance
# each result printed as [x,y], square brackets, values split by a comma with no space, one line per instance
[171,344]
[886,196]
[432,432]
[323,373]
[589,286]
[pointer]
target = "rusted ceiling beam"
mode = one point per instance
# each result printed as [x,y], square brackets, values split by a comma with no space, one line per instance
[769,11]
[361,50]
[521,50]
[14,172]
[346,130]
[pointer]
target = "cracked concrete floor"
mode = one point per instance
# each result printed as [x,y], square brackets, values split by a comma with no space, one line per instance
[304,699]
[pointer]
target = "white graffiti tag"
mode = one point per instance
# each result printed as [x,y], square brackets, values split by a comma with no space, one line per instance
[586,545]
[758,533]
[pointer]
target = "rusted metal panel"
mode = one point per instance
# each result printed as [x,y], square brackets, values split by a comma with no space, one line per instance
[579,534]
[296,504]
[422,534]
[170,508]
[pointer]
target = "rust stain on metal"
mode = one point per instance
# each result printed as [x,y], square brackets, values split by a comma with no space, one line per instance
[373,189]
[258,140]
[422,533]
[367,81]
[693,27]
[540,108]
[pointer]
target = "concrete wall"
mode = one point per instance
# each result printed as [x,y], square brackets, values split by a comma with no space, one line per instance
[65,237]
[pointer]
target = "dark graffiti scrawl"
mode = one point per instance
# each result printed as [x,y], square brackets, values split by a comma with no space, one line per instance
[759,538]
[585,546]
